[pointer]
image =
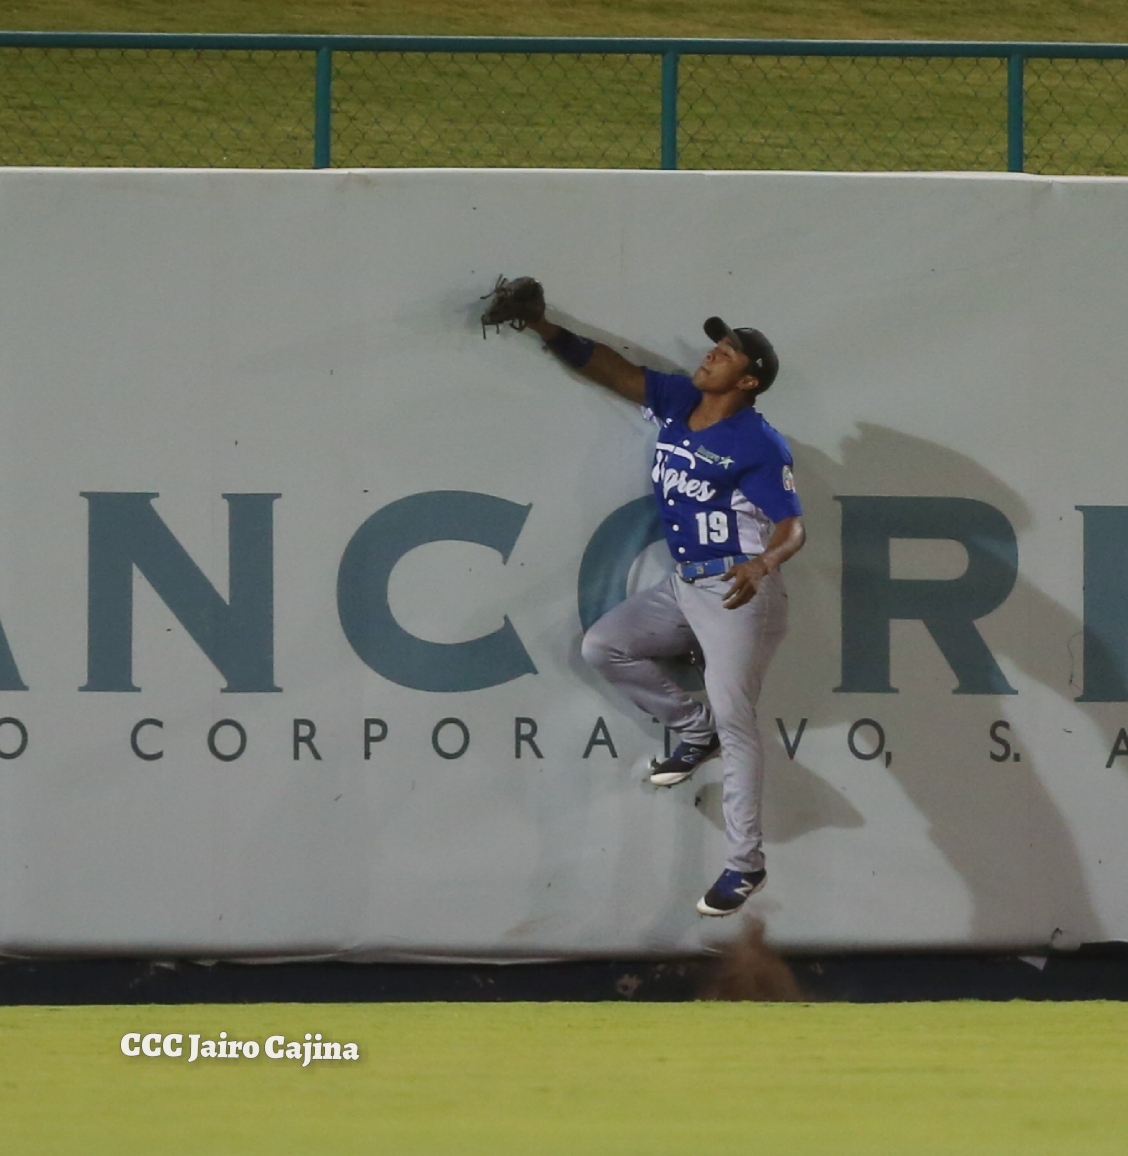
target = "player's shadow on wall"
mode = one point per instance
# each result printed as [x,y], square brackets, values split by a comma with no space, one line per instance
[976,811]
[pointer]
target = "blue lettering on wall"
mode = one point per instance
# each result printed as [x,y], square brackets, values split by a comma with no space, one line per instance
[872,598]
[9,673]
[1106,604]
[606,564]
[362,592]
[236,635]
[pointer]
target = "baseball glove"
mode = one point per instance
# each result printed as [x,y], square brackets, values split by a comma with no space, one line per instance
[518,302]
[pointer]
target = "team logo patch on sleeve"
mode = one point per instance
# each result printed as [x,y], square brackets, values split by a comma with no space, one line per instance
[788,480]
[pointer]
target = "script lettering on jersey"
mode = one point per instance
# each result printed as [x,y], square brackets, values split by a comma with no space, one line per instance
[672,478]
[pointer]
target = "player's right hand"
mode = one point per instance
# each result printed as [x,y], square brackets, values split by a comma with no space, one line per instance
[746,578]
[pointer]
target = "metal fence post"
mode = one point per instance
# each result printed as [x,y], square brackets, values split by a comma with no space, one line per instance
[669,110]
[1015,145]
[323,108]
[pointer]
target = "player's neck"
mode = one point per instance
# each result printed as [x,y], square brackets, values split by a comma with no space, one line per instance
[715,407]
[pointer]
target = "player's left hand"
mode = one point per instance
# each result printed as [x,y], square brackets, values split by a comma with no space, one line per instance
[519,302]
[746,578]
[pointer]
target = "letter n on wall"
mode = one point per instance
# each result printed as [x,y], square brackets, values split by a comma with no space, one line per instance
[126,533]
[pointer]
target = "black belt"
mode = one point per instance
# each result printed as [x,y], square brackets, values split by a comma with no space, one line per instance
[691,571]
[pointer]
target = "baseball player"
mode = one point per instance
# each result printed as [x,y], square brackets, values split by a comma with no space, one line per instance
[722,478]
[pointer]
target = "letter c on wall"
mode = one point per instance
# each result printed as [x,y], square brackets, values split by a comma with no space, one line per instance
[362,592]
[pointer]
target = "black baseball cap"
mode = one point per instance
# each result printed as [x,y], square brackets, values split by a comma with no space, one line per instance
[763,363]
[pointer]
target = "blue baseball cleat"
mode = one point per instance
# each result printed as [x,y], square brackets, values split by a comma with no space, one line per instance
[687,757]
[730,891]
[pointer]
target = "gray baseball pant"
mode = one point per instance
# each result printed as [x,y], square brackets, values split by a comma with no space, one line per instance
[738,645]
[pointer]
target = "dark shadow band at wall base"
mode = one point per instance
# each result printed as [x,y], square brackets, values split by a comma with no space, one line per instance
[1095,971]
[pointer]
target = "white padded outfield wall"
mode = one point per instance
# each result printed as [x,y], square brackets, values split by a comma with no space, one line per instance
[293,564]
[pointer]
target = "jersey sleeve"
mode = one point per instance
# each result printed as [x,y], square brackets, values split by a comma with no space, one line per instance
[770,483]
[669,394]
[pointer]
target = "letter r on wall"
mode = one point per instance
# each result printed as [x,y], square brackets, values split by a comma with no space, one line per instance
[872,598]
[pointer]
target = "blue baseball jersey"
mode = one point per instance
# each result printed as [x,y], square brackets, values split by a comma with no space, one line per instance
[721,489]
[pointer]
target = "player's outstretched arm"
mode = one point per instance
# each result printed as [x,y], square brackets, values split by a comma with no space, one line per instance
[520,304]
[594,360]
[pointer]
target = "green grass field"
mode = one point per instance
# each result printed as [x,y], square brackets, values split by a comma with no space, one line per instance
[256,108]
[499,1079]
[1093,20]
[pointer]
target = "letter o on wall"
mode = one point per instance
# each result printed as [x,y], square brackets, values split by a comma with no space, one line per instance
[250,1049]
[878,739]
[362,592]
[440,750]
[230,756]
[609,555]
[21,744]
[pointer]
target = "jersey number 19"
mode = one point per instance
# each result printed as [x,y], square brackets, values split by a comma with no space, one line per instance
[712,526]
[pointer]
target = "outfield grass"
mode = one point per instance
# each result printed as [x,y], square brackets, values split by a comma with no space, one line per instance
[255,109]
[1083,20]
[494,1079]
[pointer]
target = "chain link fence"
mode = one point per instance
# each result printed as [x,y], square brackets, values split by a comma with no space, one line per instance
[296,101]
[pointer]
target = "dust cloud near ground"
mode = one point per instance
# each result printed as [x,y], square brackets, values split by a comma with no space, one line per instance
[750,969]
